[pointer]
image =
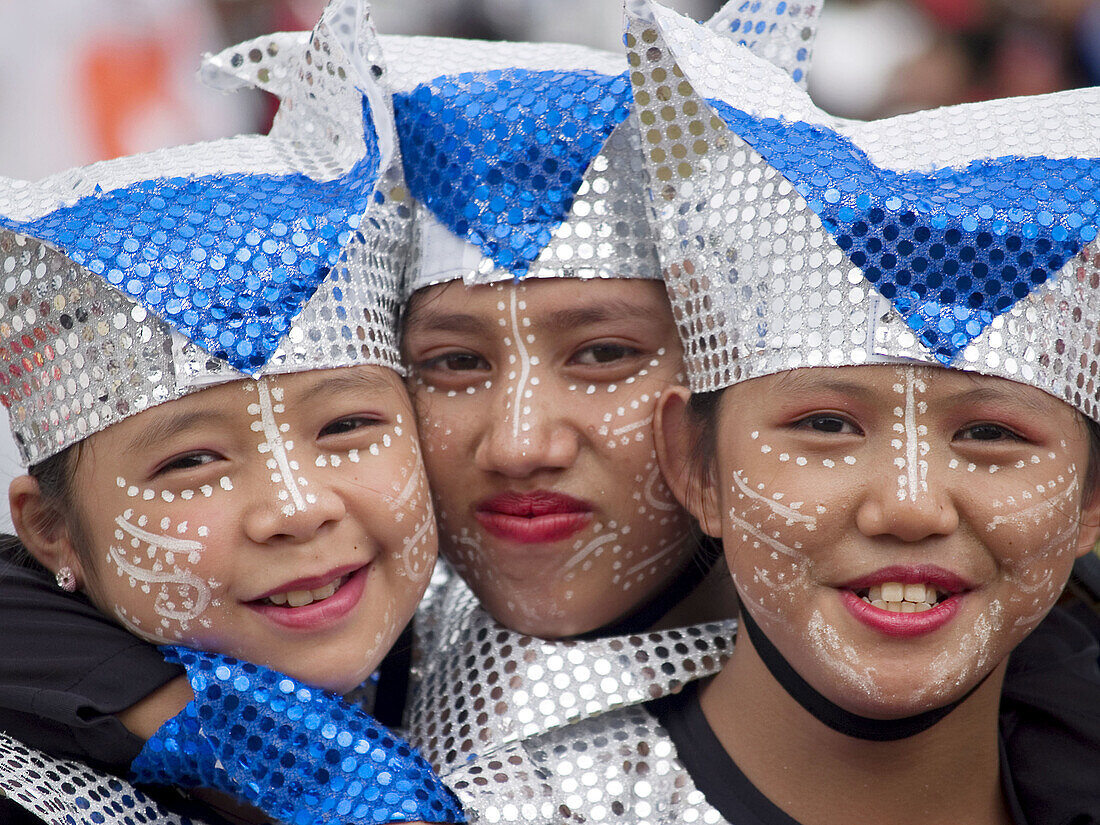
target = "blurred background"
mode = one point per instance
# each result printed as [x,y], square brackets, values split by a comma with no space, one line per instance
[85,80]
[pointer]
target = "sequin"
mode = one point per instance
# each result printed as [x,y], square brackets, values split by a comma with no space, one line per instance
[242,315]
[618,767]
[480,687]
[61,792]
[502,145]
[294,751]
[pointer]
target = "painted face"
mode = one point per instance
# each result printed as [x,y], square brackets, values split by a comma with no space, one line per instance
[285,521]
[535,404]
[897,531]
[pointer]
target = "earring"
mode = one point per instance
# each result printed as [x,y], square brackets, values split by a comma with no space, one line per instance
[66,579]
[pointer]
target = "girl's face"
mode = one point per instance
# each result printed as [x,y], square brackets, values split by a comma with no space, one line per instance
[897,531]
[535,403]
[285,521]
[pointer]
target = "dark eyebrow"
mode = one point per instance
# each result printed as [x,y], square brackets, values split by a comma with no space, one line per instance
[367,382]
[168,425]
[1007,393]
[425,317]
[616,309]
[818,379]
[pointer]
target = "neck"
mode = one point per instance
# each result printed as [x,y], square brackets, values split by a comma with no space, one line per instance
[820,776]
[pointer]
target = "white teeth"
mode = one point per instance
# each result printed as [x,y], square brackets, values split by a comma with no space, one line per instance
[893,592]
[902,598]
[915,593]
[300,598]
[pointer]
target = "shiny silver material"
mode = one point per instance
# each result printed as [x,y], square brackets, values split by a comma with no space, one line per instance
[480,687]
[618,767]
[60,792]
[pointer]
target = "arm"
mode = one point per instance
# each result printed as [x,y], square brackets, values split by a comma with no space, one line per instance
[295,752]
[68,674]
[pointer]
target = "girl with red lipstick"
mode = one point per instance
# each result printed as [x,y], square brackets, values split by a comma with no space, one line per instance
[255,507]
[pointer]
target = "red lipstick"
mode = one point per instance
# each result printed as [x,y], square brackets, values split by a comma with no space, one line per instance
[907,625]
[536,517]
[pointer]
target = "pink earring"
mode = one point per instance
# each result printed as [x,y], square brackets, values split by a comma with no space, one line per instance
[66,579]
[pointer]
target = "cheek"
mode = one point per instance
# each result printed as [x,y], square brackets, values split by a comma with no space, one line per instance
[158,566]
[769,526]
[409,509]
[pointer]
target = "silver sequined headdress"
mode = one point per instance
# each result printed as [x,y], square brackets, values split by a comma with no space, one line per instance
[521,155]
[132,282]
[964,236]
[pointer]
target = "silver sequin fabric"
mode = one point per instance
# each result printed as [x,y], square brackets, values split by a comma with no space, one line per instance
[481,687]
[620,767]
[61,792]
[964,236]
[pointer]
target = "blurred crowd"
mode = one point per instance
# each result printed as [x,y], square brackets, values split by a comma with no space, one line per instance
[107,77]
[881,57]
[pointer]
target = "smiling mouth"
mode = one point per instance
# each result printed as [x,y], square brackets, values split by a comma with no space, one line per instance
[896,597]
[302,598]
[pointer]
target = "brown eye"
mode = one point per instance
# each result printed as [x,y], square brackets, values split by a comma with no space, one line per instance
[607,353]
[189,461]
[343,426]
[987,432]
[829,424]
[456,362]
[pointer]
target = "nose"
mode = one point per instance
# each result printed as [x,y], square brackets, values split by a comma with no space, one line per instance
[293,513]
[526,434]
[908,511]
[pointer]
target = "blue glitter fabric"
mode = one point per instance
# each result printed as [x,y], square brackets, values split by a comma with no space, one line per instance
[499,156]
[296,752]
[228,260]
[950,248]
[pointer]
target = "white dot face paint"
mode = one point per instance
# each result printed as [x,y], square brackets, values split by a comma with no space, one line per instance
[535,405]
[948,503]
[286,521]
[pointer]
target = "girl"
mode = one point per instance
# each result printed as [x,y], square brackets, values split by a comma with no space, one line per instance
[280,518]
[891,333]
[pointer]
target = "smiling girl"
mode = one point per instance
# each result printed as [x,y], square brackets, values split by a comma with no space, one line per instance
[203,377]
[891,336]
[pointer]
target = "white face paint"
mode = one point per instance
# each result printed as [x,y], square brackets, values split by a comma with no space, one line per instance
[285,521]
[536,402]
[876,491]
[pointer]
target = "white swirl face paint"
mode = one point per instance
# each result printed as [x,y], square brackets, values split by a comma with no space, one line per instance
[536,400]
[840,484]
[286,521]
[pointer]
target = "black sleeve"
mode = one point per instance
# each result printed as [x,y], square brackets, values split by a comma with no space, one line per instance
[65,669]
[1050,718]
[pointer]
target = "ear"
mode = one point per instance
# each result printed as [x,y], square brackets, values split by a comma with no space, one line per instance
[692,484]
[1090,523]
[41,529]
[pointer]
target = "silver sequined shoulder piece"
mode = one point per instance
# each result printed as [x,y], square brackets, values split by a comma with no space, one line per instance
[621,767]
[482,686]
[61,792]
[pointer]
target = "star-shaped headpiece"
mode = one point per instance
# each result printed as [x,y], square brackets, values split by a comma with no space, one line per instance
[964,236]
